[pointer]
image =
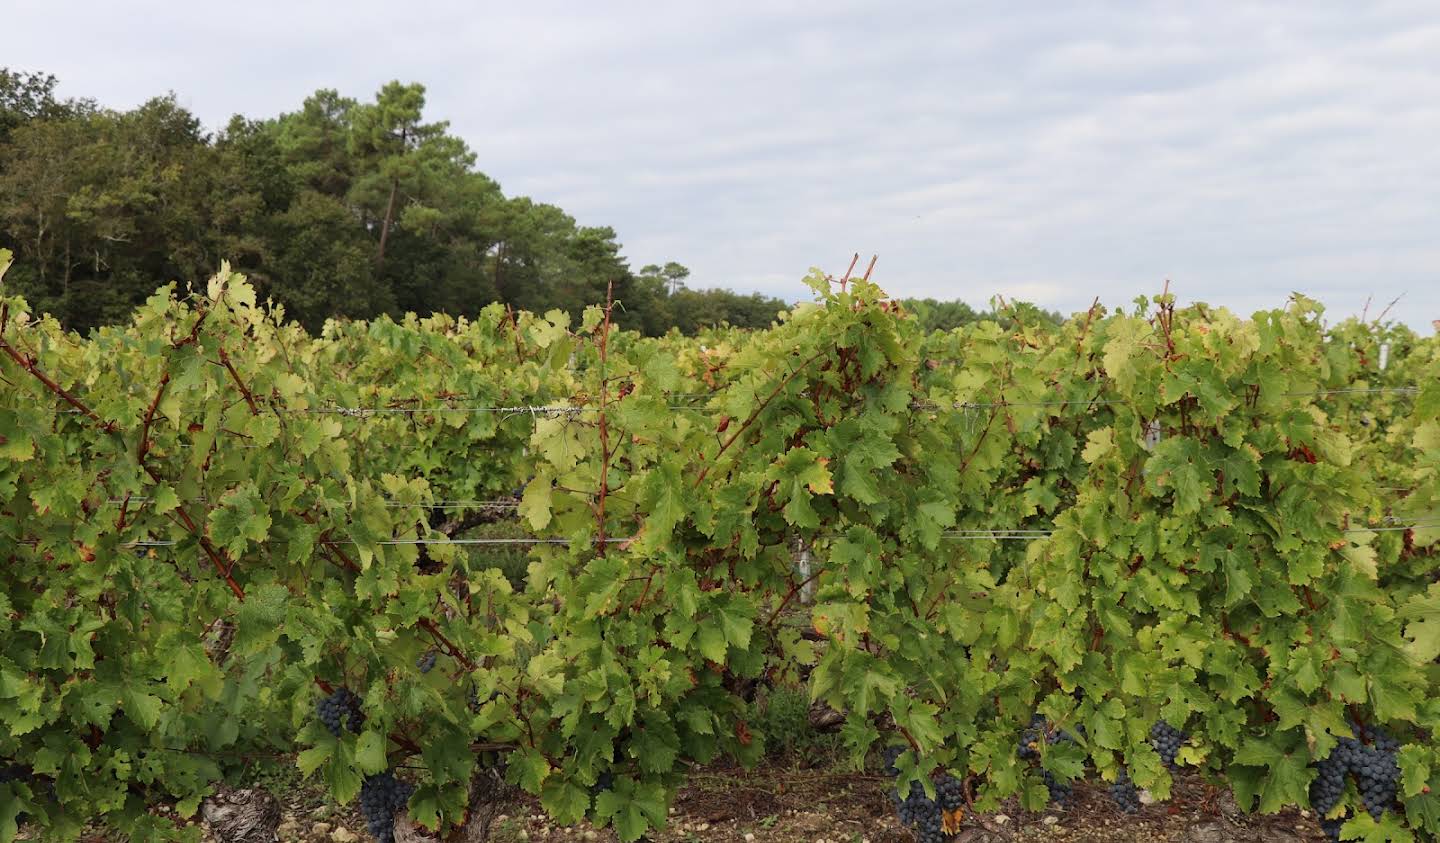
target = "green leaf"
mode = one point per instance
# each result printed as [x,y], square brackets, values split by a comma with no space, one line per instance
[164,500]
[529,769]
[666,499]
[632,809]
[370,752]
[1287,775]
[1389,829]
[1423,630]
[565,801]
[310,760]
[536,502]
[143,708]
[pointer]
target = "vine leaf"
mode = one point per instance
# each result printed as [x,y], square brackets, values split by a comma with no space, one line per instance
[1423,630]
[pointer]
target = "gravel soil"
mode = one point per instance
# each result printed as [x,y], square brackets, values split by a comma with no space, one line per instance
[774,805]
[778,805]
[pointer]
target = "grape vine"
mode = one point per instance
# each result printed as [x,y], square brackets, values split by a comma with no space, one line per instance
[1152,515]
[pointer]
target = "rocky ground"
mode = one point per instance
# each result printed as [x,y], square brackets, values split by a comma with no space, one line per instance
[778,805]
[808,806]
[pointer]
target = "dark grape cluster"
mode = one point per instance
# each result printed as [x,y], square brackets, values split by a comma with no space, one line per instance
[341,709]
[1376,772]
[950,793]
[1059,791]
[1029,750]
[890,755]
[1332,828]
[603,782]
[1167,741]
[13,773]
[920,813]
[426,662]
[1124,793]
[381,796]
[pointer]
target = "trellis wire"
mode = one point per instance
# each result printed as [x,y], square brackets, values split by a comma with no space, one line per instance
[441,504]
[958,535]
[573,409]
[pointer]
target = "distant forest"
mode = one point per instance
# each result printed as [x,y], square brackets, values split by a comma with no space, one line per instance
[340,208]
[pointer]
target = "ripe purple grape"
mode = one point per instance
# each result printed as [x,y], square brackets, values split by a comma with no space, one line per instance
[381,796]
[340,710]
[1124,793]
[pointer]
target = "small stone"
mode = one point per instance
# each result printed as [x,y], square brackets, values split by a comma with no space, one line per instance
[749,837]
[1050,819]
[703,827]
[320,829]
[341,834]
[1146,797]
[589,834]
[1207,832]
[522,835]
[1001,819]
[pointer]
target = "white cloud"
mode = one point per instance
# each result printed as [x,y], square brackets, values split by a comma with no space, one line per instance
[1053,152]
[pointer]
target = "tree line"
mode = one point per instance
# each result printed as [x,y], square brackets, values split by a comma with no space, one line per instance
[341,208]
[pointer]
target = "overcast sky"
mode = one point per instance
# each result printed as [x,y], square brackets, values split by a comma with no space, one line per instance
[1048,151]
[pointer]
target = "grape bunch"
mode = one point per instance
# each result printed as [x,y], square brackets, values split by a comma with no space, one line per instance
[921,813]
[1167,741]
[381,796]
[1332,828]
[1124,793]
[950,793]
[13,773]
[1377,776]
[918,811]
[1028,750]
[603,782]
[339,710]
[426,662]
[1326,790]
[1059,791]
[890,755]
[1376,772]
[1030,739]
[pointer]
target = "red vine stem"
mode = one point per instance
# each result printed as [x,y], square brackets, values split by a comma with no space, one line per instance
[235,376]
[455,652]
[28,364]
[755,415]
[790,595]
[144,449]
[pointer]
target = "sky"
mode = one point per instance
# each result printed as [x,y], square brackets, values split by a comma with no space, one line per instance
[1043,151]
